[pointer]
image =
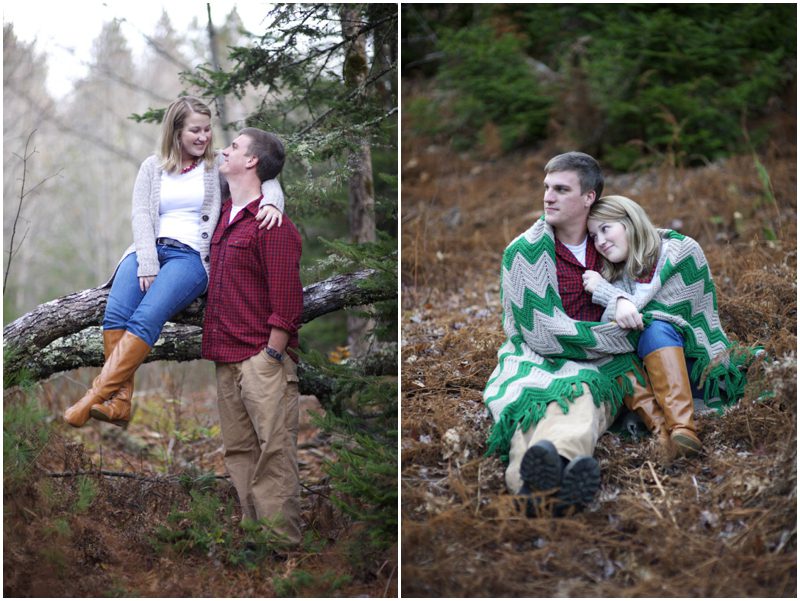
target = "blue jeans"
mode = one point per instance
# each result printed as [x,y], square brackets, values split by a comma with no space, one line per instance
[181,279]
[661,334]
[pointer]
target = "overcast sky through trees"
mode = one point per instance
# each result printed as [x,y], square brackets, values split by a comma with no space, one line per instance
[66,34]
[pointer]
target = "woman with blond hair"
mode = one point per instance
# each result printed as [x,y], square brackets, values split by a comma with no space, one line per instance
[177,200]
[658,282]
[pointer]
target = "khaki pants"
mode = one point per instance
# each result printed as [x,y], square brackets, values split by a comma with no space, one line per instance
[574,433]
[258,410]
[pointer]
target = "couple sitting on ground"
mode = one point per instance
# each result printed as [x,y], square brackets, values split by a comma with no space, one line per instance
[601,310]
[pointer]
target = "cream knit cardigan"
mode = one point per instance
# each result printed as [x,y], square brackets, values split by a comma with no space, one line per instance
[145,213]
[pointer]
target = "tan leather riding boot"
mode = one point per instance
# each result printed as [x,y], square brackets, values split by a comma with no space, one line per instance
[666,368]
[120,366]
[116,410]
[78,414]
[643,402]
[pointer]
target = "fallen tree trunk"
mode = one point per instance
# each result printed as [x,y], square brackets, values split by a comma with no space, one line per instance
[64,334]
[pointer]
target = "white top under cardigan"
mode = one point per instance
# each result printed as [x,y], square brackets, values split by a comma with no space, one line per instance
[146,207]
[181,201]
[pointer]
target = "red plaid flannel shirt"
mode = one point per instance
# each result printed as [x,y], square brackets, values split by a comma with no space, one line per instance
[254,286]
[577,302]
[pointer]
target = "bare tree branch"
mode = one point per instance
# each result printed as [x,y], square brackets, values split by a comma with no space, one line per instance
[111,76]
[158,49]
[134,476]
[22,194]
[349,96]
[58,335]
[48,113]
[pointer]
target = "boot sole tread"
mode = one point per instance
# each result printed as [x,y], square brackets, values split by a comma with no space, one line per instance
[541,467]
[581,482]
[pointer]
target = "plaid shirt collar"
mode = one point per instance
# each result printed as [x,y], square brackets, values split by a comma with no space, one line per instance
[576,301]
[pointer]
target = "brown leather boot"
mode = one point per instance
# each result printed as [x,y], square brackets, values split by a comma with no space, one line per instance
[643,402]
[78,415]
[120,366]
[116,410]
[666,368]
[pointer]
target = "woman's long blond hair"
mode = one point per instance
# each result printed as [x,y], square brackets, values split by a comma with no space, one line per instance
[171,128]
[644,243]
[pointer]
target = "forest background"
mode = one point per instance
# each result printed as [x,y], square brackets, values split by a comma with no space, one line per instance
[324,78]
[691,110]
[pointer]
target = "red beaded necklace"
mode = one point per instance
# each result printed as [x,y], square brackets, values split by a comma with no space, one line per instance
[194,164]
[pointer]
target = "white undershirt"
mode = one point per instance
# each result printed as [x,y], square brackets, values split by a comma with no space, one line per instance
[181,203]
[235,211]
[579,251]
[642,289]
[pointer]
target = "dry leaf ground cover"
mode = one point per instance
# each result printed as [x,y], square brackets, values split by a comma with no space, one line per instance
[84,521]
[723,524]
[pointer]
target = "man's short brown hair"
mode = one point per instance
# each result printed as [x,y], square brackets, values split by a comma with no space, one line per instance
[588,169]
[268,149]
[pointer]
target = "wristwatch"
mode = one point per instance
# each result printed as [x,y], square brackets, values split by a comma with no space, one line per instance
[274,354]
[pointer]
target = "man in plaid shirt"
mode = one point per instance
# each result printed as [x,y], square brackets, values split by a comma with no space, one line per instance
[556,453]
[255,302]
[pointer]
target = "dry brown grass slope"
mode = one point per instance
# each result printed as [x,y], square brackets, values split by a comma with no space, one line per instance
[53,547]
[723,524]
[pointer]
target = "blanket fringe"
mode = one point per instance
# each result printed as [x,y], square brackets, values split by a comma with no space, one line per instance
[724,377]
[530,407]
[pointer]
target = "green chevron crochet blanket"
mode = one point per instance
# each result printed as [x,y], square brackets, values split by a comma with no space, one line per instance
[548,357]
